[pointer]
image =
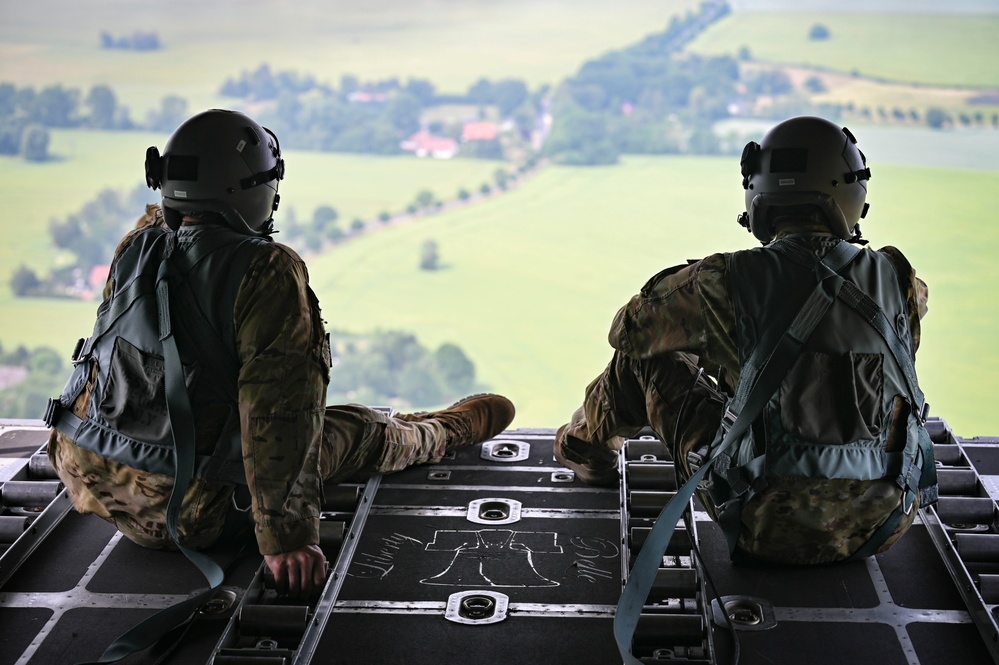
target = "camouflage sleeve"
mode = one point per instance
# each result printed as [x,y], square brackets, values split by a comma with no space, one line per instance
[683,308]
[915,290]
[282,383]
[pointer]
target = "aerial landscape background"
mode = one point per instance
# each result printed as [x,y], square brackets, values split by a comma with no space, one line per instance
[535,250]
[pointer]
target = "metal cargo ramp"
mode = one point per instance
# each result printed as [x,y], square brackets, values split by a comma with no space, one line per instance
[498,555]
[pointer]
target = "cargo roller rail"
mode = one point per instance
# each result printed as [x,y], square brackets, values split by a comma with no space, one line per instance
[499,555]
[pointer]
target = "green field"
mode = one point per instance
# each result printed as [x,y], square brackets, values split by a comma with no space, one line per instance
[535,277]
[951,50]
[532,279]
[451,43]
[89,161]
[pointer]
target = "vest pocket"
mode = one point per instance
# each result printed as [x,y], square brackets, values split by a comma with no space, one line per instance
[833,399]
[134,398]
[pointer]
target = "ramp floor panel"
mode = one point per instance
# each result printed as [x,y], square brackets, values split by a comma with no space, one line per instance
[487,561]
[357,638]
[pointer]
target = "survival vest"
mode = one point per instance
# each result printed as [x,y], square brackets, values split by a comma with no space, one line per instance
[127,418]
[839,457]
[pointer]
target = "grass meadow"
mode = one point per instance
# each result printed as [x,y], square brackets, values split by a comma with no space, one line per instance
[927,49]
[86,162]
[533,279]
[453,44]
[530,280]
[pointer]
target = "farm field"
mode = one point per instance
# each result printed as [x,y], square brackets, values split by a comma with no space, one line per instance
[534,278]
[531,279]
[951,50]
[452,44]
[88,161]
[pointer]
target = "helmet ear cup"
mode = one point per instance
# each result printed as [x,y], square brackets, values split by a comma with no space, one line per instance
[750,162]
[154,168]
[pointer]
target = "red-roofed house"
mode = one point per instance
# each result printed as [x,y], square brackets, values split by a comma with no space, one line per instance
[425,144]
[478,131]
[98,277]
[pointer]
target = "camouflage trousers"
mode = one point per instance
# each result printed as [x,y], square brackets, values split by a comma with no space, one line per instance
[355,441]
[793,521]
[667,393]
[358,440]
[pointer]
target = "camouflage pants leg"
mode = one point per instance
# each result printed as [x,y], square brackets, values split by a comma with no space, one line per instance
[665,393]
[358,440]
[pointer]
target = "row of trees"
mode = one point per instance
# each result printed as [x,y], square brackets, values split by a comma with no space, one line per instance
[137,41]
[383,368]
[28,378]
[89,236]
[394,368]
[371,116]
[27,115]
[645,98]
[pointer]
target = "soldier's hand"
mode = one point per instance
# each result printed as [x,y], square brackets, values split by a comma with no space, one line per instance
[298,573]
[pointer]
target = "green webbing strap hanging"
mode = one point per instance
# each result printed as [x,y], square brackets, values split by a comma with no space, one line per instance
[767,369]
[153,628]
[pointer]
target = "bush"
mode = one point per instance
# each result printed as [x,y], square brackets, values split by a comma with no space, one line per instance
[35,143]
[429,256]
[937,118]
[394,368]
[818,32]
[815,85]
[24,282]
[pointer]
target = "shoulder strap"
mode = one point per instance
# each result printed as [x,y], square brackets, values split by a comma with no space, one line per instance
[771,359]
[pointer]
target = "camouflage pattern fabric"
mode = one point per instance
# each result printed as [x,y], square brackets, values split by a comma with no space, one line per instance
[681,321]
[799,521]
[287,432]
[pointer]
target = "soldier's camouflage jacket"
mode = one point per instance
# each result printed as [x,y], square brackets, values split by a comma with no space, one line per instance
[690,308]
[284,369]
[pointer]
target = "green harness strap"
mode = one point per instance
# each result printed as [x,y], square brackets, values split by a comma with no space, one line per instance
[149,631]
[767,366]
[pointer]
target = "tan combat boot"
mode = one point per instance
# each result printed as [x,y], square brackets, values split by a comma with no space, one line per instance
[471,420]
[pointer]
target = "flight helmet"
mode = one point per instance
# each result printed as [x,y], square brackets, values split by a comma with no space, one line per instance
[805,163]
[220,162]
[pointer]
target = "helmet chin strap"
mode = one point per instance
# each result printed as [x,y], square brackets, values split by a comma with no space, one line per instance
[856,238]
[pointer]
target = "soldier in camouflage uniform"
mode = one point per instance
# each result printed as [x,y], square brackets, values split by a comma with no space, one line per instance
[291,442]
[676,358]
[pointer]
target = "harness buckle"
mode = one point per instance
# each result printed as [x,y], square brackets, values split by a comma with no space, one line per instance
[51,408]
[77,356]
[728,419]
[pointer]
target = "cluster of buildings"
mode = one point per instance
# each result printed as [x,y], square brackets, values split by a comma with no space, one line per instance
[426,144]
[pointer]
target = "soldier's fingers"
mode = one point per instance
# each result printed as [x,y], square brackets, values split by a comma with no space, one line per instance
[294,579]
[319,573]
[281,582]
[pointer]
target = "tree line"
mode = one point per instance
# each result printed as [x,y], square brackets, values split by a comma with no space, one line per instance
[646,98]
[28,378]
[390,368]
[373,116]
[27,114]
[394,368]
